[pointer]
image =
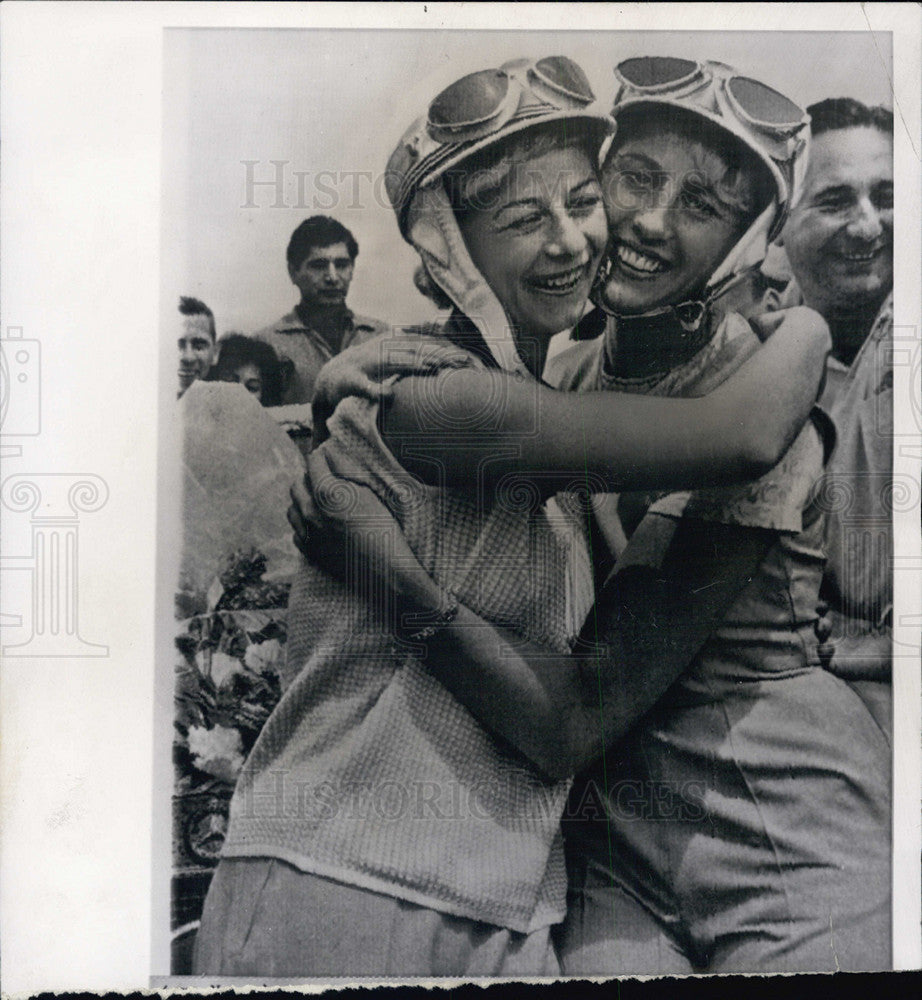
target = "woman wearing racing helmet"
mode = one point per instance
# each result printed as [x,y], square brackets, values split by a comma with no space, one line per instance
[741,828]
[736,828]
[378,828]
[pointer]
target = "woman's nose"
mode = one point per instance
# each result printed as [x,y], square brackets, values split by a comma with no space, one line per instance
[652,221]
[567,238]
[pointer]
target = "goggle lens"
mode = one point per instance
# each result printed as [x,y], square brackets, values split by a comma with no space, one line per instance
[563,75]
[478,98]
[652,72]
[472,100]
[762,104]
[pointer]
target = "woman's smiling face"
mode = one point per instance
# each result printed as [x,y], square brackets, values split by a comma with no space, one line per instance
[538,237]
[672,219]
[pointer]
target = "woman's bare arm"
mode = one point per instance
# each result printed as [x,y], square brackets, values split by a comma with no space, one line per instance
[470,428]
[672,585]
[645,629]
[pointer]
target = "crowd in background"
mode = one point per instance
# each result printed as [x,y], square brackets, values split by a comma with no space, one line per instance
[821,513]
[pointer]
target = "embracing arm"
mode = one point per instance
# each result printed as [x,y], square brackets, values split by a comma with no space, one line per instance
[646,627]
[478,426]
[672,585]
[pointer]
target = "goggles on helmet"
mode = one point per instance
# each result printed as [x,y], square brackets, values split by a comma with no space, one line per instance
[481,108]
[770,124]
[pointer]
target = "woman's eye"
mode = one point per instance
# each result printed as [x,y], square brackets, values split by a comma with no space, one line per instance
[636,180]
[528,221]
[698,203]
[585,204]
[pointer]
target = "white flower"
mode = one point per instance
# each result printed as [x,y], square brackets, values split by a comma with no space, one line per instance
[263,656]
[222,665]
[218,751]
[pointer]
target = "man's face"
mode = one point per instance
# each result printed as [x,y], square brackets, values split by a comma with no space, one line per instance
[196,350]
[324,276]
[839,237]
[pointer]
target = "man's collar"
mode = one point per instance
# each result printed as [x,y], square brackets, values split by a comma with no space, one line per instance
[300,312]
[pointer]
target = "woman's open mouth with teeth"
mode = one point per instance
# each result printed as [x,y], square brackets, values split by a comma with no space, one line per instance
[560,283]
[637,262]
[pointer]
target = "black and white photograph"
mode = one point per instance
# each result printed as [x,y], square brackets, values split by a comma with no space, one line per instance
[590,570]
[531,516]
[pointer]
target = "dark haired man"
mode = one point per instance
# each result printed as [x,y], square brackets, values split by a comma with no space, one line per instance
[196,341]
[839,244]
[321,260]
[839,237]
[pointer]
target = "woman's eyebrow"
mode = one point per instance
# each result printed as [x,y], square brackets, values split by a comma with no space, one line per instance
[537,199]
[700,183]
[589,181]
[639,159]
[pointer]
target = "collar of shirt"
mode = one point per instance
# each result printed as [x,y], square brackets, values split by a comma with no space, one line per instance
[292,323]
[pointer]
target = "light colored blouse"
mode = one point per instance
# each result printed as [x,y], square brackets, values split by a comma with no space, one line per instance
[369,771]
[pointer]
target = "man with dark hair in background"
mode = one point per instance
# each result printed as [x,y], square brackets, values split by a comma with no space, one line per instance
[838,242]
[196,341]
[321,260]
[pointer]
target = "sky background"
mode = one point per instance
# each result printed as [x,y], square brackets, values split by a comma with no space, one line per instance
[337,101]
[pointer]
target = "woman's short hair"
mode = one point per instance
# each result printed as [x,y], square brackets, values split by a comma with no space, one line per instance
[235,349]
[473,183]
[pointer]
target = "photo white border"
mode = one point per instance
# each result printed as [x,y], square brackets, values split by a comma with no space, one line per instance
[81,119]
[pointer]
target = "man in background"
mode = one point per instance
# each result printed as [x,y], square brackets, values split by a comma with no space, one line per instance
[837,246]
[838,243]
[321,262]
[196,341]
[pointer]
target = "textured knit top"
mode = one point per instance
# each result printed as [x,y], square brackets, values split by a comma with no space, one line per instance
[369,771]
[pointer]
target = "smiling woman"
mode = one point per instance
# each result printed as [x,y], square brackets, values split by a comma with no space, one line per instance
[751,830]
[535,228]
[495,188]
[678,196]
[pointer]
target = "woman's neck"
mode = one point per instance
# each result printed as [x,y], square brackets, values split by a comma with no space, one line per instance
[644,346]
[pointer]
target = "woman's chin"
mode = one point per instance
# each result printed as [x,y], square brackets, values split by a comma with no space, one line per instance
[615,297]
[554,317]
